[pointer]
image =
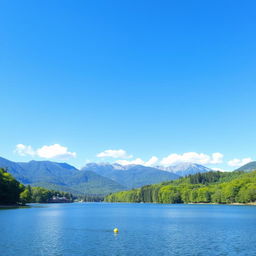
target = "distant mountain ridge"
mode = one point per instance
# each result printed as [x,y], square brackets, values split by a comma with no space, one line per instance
[95,178]
[92,179]
[131,176]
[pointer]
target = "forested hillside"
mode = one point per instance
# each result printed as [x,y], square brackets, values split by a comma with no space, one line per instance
[13,192]
[211,187]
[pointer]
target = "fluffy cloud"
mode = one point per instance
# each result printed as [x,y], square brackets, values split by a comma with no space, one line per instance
[199,158]
[127,162]
[49,152]
[239,162]
[151,162]
[220,170]
[217,158]
[24,150]
[118,153]
[55,151]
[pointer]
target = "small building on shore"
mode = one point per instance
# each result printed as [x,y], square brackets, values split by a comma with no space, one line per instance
[58,199]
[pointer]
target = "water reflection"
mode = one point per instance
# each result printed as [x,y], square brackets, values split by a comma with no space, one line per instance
[49,226]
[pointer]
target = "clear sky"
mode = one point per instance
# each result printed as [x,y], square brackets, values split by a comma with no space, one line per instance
[147,78]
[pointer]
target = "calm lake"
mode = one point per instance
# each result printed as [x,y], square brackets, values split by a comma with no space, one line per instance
[144,229]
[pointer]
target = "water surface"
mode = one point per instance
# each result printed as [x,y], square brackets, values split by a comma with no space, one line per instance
[144,229]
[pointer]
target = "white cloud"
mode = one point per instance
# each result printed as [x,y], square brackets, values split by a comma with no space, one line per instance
[200,158]
[127,162]
[239,162]
[217,158]
[115,153]
[151,162]
[55,151]
[220,170]
[49,152]
[193,157]
[24,150]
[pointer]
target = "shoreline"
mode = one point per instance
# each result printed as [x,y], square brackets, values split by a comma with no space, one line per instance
[254,203]
[11,206]
[234,204]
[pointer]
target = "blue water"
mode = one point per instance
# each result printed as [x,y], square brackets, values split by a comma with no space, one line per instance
[144,229]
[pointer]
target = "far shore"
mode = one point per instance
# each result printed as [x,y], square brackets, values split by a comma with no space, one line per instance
[253,203]
[6,206]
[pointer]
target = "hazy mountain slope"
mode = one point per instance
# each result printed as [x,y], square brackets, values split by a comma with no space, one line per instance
[248,167]
[91,183]
[52,186]
[15,169]
[47,171]
[85,182]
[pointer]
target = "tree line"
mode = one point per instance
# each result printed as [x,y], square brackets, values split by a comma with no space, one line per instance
[92,198]
[210,187]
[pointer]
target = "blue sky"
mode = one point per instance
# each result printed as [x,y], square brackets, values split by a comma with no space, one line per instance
[148,78]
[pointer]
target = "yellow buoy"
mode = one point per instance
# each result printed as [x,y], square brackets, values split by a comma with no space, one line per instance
[116,230]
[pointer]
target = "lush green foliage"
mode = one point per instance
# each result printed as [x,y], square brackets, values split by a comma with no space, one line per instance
[10,188]
[211,187]
[42,195]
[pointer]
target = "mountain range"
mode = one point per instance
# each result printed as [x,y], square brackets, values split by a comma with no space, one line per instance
[60,176]
[131,176]
[97,178]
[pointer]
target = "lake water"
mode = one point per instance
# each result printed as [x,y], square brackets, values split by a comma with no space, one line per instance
[144,229]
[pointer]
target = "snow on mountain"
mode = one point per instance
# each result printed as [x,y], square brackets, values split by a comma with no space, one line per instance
[185,168]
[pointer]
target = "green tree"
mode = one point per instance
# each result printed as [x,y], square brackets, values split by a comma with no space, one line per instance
[26,195]
[10,188]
